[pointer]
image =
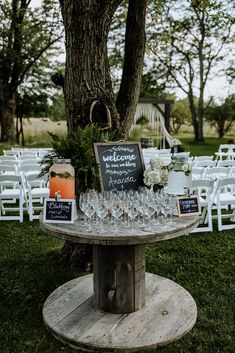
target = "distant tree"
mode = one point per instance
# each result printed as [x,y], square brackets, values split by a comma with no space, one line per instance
[150,87]
[56,109]
[28,38]
[222,116]
[188,41]
[180,115]
[29,105]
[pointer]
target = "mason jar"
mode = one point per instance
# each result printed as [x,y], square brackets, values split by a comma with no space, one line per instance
[62,179]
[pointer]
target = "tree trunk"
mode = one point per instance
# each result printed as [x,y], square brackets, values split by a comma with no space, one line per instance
[197,124]
[7,111]
[128,95]
[75,256]
[87,73]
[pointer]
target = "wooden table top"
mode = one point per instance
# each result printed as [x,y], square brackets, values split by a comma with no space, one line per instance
[79,234]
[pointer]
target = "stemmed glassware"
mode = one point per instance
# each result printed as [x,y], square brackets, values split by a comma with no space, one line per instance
[132,213]
[87,208]
[116,211]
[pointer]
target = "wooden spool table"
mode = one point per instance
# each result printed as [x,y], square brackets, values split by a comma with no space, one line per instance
[119,308]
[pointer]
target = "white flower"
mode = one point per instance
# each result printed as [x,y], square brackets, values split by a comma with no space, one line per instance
[156,173]
[185,168]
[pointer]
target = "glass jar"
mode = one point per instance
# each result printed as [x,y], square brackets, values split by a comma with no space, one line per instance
[62,179]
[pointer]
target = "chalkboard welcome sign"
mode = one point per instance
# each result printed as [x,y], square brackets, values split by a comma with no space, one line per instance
[188,205]
[59,211]
[121,165]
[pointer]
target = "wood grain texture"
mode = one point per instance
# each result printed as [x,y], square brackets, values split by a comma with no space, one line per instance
[79,234]
[119,277]
[71,316]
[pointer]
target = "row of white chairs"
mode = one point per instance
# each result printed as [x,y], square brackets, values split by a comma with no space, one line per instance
[212,172]
[226,151]
[21,192]
[26,152]
[198,161]
[217,199]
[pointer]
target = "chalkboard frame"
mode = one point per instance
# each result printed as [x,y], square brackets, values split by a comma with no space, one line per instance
[188,214]
[49,220]
[114,144]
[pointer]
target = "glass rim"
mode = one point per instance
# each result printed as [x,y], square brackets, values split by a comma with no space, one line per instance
[61,160]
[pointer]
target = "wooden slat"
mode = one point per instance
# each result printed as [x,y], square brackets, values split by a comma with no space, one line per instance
[79,234]
[169,313]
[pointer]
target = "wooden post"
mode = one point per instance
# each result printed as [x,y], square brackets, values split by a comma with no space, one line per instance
[119,277]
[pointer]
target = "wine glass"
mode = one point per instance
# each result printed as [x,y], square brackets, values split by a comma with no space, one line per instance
[132,212]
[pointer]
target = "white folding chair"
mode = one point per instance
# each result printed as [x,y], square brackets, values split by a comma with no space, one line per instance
[203,158]
[216,172]
[11,193]
[37,191]
[197,172]
[226,163]
[224,152]
[11,153]
[8,169]
[205,163]
[29,161]
[232,172]
[206,190]
[225,203]
[7,158]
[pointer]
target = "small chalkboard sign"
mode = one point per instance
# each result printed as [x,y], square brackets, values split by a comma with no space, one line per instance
[58,211]
[188,205]
[121,165]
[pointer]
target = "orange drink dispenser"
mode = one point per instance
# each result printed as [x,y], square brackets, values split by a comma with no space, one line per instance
[62,179]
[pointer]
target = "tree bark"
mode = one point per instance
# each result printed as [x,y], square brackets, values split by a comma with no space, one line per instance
[87,73]
[7,111]
[128,95]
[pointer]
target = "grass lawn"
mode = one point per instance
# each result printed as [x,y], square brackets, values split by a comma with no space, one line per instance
[202,263]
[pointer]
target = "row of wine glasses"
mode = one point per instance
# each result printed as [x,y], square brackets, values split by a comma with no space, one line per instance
[127,211]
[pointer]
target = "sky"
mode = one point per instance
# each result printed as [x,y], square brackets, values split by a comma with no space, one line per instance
[218,87]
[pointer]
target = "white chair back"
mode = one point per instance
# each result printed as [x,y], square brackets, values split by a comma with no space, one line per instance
[197,172]
[225,202]
[11,192]
[226,163]
[205,189]
[205,163]
[37,191]
[216,172]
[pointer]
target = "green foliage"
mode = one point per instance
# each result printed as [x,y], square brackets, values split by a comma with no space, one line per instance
[142,120]
[79,147]
[29,37]
[187,41]
[150,87]
[180,114]
[56,110]
[222,116]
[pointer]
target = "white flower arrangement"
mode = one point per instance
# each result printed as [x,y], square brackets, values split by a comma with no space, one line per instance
[180,166]
[156,174]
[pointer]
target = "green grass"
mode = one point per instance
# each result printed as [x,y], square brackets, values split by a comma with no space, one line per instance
[208,147]
[202,263]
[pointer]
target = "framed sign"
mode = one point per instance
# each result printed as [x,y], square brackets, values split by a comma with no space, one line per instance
[58,211]
[188,205]
[121,165]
